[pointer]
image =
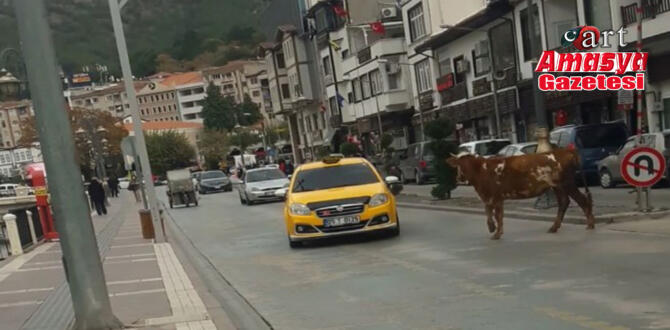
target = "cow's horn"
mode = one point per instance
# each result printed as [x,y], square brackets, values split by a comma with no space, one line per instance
[453,154]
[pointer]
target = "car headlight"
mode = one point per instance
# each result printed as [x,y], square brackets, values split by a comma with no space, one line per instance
[255,189]
[378,199]
[299,209]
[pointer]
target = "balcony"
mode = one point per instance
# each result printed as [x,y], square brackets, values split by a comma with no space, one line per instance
[650,8]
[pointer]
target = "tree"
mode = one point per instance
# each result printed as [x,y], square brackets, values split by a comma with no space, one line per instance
[218,112]
[248,112]
[214,146]
[244,138]
[169,151]
[440,131]
[84,119]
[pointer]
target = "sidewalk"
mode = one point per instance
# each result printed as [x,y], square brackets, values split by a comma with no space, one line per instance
[608,205]
[147,283]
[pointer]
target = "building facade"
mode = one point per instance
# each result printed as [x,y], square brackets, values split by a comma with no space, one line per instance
[12,116]
[189,88]
[112,99]
[158,102]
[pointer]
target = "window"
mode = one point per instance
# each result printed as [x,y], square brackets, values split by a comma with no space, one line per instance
[332,103]
[423,76]
[315,119]
[597,13]
[376,84]
[443,62]
[285,91]
[502,46]
[417,26]
[327,68]
[323,120]
[460,61]
[281,64]
[365,86]
[480,58]
[288,50]
[256,93]
[356,87]
[334,176]
[528,54]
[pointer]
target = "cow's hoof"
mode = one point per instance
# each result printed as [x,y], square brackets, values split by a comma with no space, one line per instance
[589,227]
[552,230]
[496,237]
[492,226]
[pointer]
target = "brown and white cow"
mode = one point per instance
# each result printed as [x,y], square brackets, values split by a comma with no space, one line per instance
[521,177]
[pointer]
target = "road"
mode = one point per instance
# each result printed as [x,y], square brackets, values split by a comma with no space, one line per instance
[442,272]
[660,197]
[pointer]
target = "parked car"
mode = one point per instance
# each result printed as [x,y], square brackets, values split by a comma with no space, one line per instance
[484,148]
[416,163]
[593,142]
[213,181]
[609,168]
[260,184]
[124,183]
[518,149]
[8,189]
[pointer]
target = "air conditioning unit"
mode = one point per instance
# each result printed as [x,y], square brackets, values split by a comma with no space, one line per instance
[462,66]
[392,68]
[481,48]
[389,12]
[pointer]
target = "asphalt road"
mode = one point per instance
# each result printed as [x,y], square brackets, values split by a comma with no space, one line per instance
[442,272]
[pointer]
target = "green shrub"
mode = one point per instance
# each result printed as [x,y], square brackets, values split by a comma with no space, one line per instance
[442,146]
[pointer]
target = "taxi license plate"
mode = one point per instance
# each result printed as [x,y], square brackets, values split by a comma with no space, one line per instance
[269,193]
[341,221]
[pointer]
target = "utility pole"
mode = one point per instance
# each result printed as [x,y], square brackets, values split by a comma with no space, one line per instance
[150,190]
[542,131]
[81,261]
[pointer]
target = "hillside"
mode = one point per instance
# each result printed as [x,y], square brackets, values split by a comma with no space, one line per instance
[83,35]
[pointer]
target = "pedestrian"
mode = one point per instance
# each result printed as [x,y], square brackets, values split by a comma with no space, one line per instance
[134,186]
[282,166]
[97,194]
[113,184]
[289,168]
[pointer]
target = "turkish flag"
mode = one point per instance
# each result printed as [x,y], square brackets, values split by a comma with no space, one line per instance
[378,27]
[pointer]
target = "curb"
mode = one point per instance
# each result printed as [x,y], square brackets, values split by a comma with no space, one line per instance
[242,314]
[602,218]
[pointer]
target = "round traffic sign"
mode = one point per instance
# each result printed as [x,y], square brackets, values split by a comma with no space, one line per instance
[643,167]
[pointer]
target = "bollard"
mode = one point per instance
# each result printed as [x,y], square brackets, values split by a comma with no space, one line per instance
[147,224]
[31,225]
[13,234]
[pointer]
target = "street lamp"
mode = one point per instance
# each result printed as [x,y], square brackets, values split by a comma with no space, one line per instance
[492,68]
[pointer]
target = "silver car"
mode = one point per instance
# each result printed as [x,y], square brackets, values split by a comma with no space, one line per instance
[260,184]
[609,168]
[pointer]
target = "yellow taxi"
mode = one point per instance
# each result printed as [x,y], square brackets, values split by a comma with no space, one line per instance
[339,196]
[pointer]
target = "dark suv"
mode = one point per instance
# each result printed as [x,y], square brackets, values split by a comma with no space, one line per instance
[593,142]
[416,163]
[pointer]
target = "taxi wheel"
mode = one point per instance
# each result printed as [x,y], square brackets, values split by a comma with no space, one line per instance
[396,231]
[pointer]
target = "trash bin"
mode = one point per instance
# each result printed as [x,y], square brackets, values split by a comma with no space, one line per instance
[147,224]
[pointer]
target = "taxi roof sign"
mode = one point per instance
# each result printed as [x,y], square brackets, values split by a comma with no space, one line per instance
[332,158]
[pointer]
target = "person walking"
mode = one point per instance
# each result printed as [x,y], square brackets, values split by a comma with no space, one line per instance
[134,186]
[282,166]
[113,184]
[97,193]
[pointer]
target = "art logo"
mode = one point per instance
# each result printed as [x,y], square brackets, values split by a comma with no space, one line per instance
[586,70]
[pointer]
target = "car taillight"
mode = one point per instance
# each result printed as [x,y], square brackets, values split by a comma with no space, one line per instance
[422,164]
[571,146]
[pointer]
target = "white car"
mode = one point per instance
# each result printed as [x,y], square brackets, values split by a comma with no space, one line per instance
[124,183]
[260,184]
[518,149]
[484,148]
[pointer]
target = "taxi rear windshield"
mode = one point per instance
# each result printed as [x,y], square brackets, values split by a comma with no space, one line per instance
[333,177]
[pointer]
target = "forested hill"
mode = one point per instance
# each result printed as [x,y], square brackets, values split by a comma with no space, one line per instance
[184,29]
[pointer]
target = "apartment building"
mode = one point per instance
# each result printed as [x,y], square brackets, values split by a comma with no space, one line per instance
[190,91]
[158,102]
[241,79]
[12,115]
[13,160]
[112,99]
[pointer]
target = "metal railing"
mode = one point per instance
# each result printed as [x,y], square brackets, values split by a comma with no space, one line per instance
[650,8]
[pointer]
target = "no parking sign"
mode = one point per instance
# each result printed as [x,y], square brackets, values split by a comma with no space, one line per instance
[643,167]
